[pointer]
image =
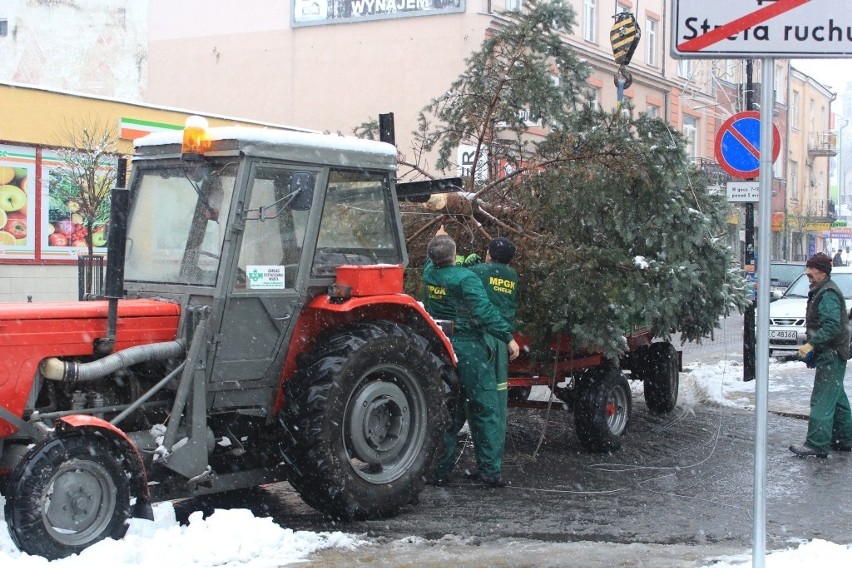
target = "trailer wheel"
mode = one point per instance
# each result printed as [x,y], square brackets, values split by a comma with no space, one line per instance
[363,418]
[659,373]
[67,493]
[519,394]
[602,408]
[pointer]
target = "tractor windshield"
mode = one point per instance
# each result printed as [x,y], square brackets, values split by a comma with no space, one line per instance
[177,223]
[357,224]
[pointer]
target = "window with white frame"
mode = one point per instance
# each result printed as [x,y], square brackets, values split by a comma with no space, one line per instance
[590,20]
[513,5]
[812,115]
[730,73]
[690,132]
[619,8]
[594,94]
[684,68]
[651,42]
[794,109]
[780,82]
[794,179]
[652,111]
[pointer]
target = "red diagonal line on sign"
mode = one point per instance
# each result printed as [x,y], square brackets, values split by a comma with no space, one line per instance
[745,142]
[738,25]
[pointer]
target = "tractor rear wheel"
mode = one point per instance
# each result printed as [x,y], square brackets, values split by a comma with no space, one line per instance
[363,417]
[602,408]
[67,493]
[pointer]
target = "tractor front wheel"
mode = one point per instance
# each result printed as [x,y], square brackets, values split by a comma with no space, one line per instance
[67,493]
[362,420]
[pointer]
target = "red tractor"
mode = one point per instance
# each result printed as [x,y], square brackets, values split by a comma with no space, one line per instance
[253,330]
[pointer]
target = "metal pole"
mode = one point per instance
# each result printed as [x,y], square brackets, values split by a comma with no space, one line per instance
[842,198]
[748,314]
[767,103]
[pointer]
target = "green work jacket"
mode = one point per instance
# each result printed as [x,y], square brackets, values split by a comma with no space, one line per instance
[826,319]
[455,293]
[501,284]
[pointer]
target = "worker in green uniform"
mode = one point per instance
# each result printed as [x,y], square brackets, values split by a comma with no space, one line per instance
[456,294]
[827,349]
[501,285]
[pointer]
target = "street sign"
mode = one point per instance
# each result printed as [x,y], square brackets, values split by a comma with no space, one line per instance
[759,28]
[738,144]
[743,191]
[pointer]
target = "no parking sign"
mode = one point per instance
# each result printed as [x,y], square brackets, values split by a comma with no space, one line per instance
[738,144]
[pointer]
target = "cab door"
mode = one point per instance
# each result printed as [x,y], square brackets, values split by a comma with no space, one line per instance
[262,305]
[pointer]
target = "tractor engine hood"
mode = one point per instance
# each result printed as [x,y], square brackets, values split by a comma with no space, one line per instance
[32,332]
[70,328]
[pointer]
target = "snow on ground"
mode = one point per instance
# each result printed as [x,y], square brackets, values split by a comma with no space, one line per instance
[230,538]
[720,383]
[814,553]
[226,538]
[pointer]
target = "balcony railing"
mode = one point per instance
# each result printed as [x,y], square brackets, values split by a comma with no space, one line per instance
[713,170]
[822,144]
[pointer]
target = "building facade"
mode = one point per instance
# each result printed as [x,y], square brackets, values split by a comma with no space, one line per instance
[809,210]
[334,70]
[333,65]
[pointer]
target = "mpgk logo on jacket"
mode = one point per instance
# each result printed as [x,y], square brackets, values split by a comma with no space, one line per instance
[436,292]
[501,285]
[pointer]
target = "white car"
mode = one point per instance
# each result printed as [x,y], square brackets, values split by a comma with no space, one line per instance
[787,314]
[781,275]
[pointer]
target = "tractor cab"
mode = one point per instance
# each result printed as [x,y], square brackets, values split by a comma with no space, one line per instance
[245,225]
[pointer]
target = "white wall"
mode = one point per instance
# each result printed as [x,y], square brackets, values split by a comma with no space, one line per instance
[43,283]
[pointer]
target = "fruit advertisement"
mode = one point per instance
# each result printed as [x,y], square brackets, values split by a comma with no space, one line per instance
[66,230]
[17,202]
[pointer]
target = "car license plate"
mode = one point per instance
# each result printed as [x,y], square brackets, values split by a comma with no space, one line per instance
[780,334]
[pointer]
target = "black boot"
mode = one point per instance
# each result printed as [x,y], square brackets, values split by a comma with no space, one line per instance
[805,451]
[496,481]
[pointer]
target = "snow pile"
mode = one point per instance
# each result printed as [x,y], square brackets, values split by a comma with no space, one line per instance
[814,553]
[720,383]
[233,537]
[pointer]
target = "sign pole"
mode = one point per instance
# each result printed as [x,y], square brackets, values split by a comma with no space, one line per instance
[748,314]
[767,103]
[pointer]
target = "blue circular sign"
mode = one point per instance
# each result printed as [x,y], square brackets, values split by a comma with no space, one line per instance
[738,144]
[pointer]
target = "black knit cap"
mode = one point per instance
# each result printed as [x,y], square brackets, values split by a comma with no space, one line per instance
[820,261]
[501,250]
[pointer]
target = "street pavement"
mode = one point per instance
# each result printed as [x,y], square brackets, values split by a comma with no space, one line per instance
[789,383]
[679,493]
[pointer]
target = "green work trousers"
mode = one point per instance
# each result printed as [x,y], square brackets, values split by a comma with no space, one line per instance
[831,419]
[478,403]
[501,371]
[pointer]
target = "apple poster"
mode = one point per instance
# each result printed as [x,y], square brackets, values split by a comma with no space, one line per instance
[17,202]
[68,208]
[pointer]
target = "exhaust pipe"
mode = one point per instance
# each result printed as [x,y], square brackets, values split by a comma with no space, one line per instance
[55,369]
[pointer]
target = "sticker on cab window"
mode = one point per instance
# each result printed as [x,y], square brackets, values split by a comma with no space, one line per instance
[266,277]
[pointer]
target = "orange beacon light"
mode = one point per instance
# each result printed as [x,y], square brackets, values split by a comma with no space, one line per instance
[195,136]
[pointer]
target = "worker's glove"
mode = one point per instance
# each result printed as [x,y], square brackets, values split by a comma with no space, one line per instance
[806,354]
[468,260]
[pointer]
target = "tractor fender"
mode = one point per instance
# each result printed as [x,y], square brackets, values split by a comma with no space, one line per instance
[396,307]
[323,313]
[128,449]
